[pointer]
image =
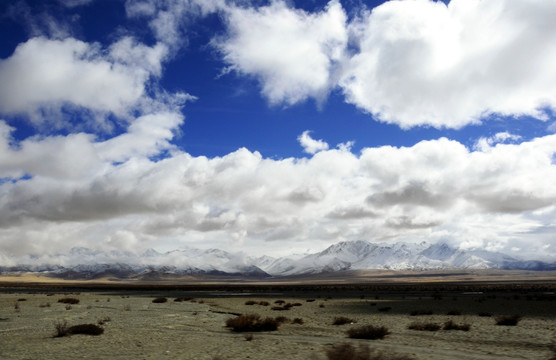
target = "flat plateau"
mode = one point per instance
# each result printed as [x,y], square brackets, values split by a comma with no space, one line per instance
[137,328]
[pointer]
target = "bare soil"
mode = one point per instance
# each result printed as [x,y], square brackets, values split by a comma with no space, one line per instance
[136,328]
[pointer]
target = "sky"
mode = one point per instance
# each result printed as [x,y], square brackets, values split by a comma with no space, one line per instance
[276,127]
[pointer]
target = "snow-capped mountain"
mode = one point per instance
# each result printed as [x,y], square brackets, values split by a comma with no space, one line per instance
[352,255]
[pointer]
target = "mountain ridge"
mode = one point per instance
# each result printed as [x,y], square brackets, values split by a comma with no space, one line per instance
[84,263]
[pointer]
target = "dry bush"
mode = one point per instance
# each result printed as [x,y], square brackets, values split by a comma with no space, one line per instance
[279,302]
[68,307]
[182,299]
[252,323]
[264,303]
[385,309]
[508,320]
[44,305]
[485,314]
[248,337]
[421,312]
[454,312]
[86,329]
[250,302]
[127,307]
[21,299]
[68,300]
[104,320]
[298,321]
[282,319]
[450,325]
[159,300]
[347,351]
[279,308]
[342,320]
[368,332]
[424,326]
[297,304]
[310,300]
[61,328]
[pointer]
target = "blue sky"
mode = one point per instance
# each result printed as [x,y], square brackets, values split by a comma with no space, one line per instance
[276,127]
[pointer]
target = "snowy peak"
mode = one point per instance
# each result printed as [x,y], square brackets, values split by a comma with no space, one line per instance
[346,255]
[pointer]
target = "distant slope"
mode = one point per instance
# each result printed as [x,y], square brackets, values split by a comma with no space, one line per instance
[83,263]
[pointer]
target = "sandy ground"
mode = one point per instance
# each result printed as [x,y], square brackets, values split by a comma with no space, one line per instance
[140,329]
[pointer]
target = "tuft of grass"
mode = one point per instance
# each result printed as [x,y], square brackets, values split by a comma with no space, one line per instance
[280,308]
[298,321]
[250,302]
[68,300]
[44,305]
[264,303]
[450,325]
[21,299]
[342,320]
[252,323]
[508,320]
[279,302]
[346,351]
[368,332]
[421,312]
[127,307]
[248,337]
[424,326]
[68,307]
[159,300]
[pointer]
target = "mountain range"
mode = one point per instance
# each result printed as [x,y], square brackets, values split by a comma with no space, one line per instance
[84,263]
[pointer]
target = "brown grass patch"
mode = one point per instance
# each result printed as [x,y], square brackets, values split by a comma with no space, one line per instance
[368,332]
[252,323]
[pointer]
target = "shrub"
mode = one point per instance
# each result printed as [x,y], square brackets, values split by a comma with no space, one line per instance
[21,299]
[61,328]
[347,351]
[248,337]
[453,312]
[104,320]
[342,320]
[424,326]
[450,325]
[86,329]
[68,300]
[385,309]
[250,302]
[282,319]
[310,300]
[368,332]
[160,300]
[252,323]
[485,314]
[421,312]
[279,308]
[127,307]
[298,321]
[279,302]
[297,304]
[508,320]
[264,303]
[182,299]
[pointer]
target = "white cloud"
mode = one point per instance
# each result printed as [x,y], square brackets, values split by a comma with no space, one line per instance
[310,145]
[424,63]
[484,143]
[294,54]
[45,75]
[435,189]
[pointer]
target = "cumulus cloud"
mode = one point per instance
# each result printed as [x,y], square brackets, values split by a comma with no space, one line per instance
[293,54]
[310,145]
[436,189]
[44,74]
[426,63]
